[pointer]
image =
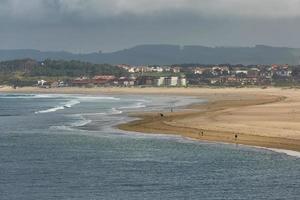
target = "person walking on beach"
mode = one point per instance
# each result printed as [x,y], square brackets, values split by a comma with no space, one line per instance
[201,134]
[235,136]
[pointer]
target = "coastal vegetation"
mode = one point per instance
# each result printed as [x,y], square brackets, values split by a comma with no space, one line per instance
[26,72]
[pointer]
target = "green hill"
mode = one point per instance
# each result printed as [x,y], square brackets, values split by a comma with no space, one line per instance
[27,71]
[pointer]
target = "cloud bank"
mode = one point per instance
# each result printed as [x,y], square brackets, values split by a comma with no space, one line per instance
[90,25]
[89,9]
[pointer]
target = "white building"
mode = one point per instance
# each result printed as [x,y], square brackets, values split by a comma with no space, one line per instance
[174,81]
[284,72]
[41,82]
[161,81]
[183,82]
[241,72]
[157,69]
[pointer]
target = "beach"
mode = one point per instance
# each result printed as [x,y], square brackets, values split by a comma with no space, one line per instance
[249,116]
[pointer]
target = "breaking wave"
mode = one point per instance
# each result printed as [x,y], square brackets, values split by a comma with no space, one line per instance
[80,123]
[69,104]
[23,96]
[93,98]
[115,111]
[286,152]
[137,105]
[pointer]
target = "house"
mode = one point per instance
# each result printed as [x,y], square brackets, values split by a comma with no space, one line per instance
[62,84]
[41,82]
[160,81]
[44,84]
[183,82]
[146,80]
[102,80]
[156,69]
[199,70]
[176,69]
[174,81]
[239,72]
[125,81]
[216,71]
[284,72]
[253,72]
[81,81]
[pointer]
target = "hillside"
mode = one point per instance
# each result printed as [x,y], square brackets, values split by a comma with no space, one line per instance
[171,54]
[27,71]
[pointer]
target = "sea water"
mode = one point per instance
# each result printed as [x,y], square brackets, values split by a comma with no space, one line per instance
[66,147]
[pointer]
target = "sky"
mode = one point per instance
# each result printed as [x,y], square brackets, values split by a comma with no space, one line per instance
[82,26]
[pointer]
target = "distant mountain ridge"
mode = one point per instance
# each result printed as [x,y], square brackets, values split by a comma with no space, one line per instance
[170,54]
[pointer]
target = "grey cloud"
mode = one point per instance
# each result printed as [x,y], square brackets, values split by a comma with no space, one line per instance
[91,25]
[90,9]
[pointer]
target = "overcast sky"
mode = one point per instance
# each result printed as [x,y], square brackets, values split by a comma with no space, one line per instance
[91,25]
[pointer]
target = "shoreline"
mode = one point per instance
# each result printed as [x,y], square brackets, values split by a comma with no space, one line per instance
[154,124]
[266,118]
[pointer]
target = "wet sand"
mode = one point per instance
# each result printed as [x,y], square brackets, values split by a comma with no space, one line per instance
[259,117]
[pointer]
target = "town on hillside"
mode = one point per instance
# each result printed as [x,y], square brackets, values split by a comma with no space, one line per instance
[189,75]
[60,73]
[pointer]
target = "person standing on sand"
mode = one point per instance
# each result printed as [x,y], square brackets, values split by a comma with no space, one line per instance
[235,136]
[201,134]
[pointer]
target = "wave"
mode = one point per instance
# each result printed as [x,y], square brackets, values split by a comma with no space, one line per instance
[28,96]
[112,111]
[69,104]
[137,105]
[32,96]
[81,123]
[95,98]
[74,125]
[50,110]
[284,151]
[15,96]
[115,111]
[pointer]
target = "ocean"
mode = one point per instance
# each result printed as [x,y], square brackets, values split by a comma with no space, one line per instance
[55,146]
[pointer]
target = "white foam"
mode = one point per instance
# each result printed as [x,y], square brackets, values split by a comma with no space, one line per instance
[17,96]
[50,110]
[81,123]
[94,114]
[31,96]
[96,98]
[137,105]
[72,103]
[281,151]
[116,111]
[71,126]
[286,152]
[69,104]
[64,128]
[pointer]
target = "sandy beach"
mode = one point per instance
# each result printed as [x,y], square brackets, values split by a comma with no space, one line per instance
[259,117]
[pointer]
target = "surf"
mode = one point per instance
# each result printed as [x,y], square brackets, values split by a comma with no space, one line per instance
[69,104]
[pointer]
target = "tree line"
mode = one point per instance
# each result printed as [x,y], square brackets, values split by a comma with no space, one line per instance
[27,71]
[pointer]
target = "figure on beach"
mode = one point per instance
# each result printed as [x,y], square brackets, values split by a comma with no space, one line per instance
[161,115]
[202,133]
[235,136]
